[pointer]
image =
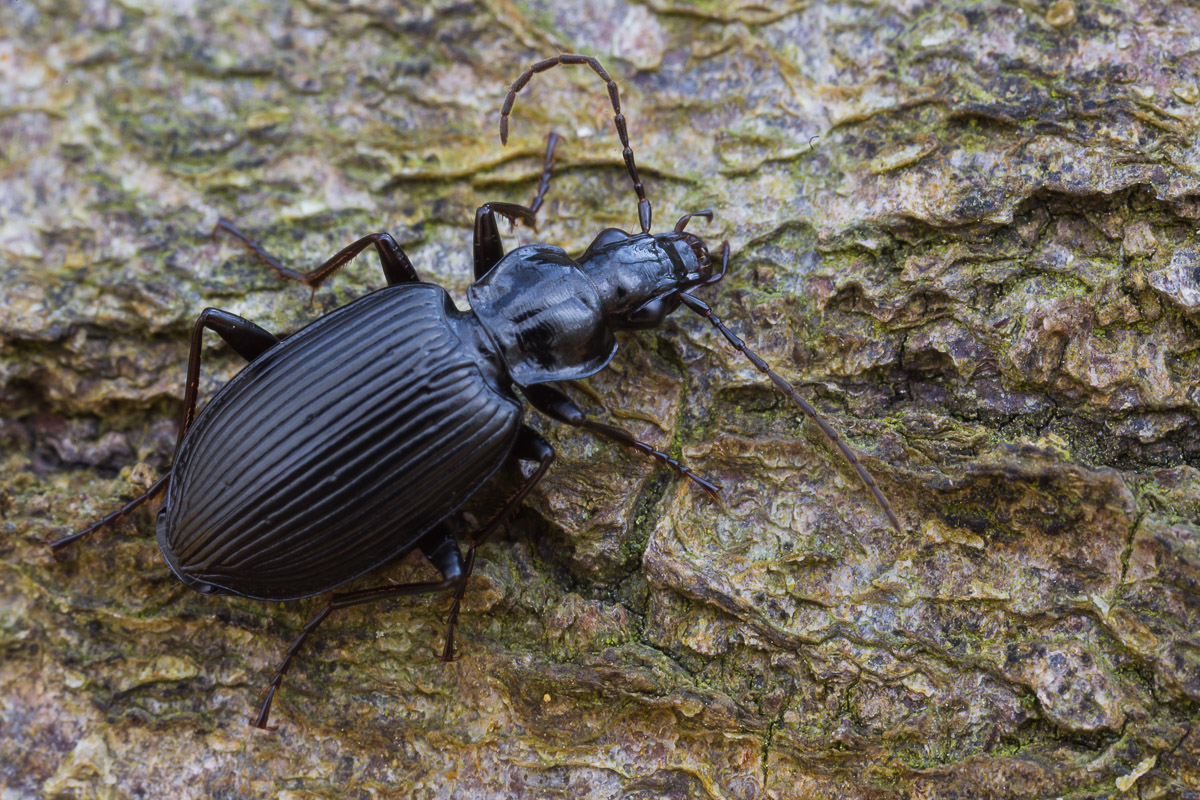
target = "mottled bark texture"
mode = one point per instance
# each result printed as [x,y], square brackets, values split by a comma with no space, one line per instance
[966,230]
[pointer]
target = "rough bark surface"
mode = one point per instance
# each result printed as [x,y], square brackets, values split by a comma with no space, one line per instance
[967,231]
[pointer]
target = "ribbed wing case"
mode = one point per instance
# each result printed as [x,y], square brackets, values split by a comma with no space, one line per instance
[378,422]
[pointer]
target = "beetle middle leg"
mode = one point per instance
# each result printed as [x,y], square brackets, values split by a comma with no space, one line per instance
[488,248]
[396,266]
[248,340]
[556,405]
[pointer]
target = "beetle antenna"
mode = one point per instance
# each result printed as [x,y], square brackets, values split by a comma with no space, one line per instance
[618,118]
[701,308]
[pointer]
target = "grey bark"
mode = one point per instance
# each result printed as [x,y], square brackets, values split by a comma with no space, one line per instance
[966,231]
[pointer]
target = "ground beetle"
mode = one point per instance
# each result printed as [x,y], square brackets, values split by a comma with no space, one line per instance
[351,442]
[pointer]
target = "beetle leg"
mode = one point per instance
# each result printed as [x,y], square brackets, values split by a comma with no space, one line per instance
[614,98]
[718,276]
[556,405]
[342,600]
[552,140]
[248,339]
[438,545]
[122,512]
[530,446]
[488,247]
[681,225]
[396,266]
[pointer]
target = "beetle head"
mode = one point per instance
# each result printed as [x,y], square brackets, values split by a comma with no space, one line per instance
[639,277]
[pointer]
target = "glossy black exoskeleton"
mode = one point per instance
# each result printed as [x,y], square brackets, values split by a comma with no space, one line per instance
[352,441]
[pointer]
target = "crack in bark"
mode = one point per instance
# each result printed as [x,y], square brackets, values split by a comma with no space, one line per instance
[1125,555]
[769,738]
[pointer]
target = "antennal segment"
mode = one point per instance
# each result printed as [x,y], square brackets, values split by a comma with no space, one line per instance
[701,308]
[644,213]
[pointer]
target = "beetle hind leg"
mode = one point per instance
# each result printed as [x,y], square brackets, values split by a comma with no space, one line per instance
[122,512]
[248,340]
[438,545]
[530,446]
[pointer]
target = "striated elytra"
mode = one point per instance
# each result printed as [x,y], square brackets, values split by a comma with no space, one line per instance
[352,441]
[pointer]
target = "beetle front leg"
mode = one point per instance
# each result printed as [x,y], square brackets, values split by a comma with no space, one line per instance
[248,340]
[396,266]
[488,248]
[556,405]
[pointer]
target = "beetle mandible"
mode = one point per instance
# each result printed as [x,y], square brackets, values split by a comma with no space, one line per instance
[352,441]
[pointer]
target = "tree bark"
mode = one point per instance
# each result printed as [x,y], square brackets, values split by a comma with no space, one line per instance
[967,232]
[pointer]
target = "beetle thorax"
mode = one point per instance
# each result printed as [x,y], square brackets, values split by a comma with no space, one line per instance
[544,315]
[552,318]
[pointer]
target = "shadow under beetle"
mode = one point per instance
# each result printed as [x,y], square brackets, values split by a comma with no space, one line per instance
[351,442]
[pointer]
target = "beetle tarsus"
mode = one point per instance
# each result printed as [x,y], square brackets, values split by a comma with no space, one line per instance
[264,712]
[614,97]
[449,654]
[535,205]
[122,512]
[397,268]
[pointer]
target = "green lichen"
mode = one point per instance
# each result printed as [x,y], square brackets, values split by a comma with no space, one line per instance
[963,272]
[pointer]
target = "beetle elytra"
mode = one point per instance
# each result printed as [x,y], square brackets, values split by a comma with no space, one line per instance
[352,441]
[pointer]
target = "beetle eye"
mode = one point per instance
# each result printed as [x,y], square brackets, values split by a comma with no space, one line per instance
[606,237]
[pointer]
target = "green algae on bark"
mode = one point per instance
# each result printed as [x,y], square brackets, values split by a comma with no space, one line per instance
[966,231]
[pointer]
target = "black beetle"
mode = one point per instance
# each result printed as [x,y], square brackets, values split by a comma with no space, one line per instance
[351,442]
